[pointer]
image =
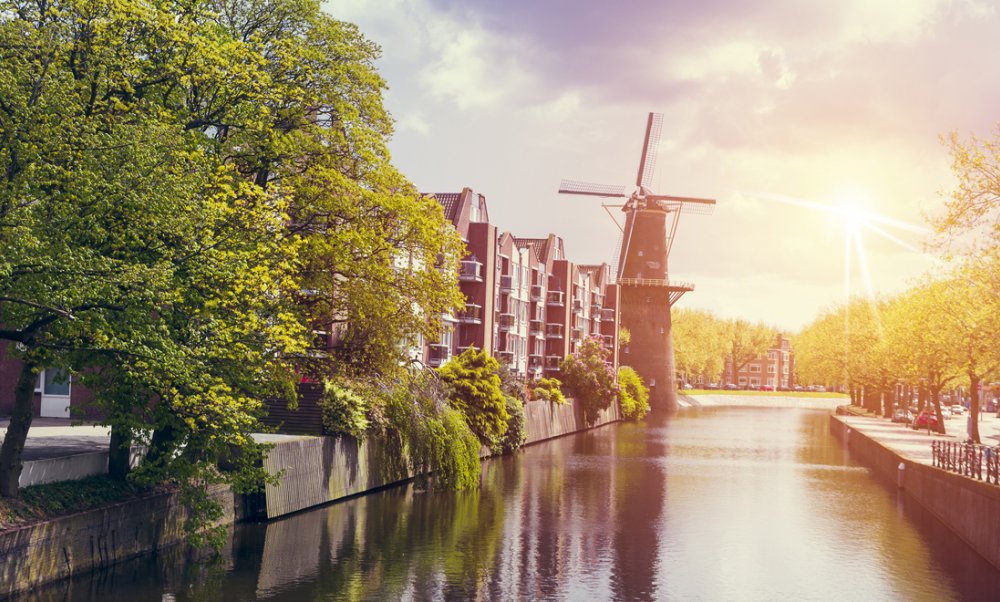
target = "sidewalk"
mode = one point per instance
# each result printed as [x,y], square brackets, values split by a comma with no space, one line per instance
[58,437]
[916,445]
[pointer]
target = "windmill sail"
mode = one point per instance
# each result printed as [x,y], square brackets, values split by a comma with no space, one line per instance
[647,162]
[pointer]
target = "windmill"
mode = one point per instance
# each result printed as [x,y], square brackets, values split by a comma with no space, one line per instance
[647,294]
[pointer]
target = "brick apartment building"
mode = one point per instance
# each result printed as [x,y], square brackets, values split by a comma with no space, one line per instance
[775,369]
[526,304]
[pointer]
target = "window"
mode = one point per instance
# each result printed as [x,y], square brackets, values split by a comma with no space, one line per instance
[53,381]
[772,355]
[770,382]
[754,382]
[754,367]
[771,369]
[743,380]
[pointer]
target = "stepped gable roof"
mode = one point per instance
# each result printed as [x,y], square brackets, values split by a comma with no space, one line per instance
[449,202]
[539,245]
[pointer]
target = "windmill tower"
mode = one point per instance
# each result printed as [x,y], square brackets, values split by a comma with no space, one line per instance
[647,293]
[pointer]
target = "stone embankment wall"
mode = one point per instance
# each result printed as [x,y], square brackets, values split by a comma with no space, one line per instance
[968,507]
[317,470]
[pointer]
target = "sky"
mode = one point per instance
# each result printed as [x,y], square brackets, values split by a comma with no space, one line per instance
[770,107]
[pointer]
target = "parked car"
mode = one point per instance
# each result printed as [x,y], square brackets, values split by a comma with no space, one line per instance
[732,387]
[901,415]
[957,410]
[925,419]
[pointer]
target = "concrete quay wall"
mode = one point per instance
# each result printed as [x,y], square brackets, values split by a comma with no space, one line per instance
[968,507]
[316,470]
[319,470]
[41,553]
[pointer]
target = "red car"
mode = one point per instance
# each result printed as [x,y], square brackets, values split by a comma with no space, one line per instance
[925,419]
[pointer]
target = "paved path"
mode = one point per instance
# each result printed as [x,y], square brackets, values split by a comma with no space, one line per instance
[916,445]
[58,437]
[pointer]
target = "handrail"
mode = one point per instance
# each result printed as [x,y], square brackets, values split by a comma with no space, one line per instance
[968,459]
[687,286]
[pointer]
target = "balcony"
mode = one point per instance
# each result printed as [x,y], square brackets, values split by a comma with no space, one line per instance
[470,271]
[506,284]
[438,354]
[595,307]
[506,322]
[608,340]
[537,292]
[608,314]
[554,331]
[577,305]
[472,314]
[555,298]
[552,362]
[577,333]
[463,348]
[536,328]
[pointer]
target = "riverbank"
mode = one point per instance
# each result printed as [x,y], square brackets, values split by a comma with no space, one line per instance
[317,471]
[901,455]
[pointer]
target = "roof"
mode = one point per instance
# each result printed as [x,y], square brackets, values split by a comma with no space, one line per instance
[449,202]
[539,245]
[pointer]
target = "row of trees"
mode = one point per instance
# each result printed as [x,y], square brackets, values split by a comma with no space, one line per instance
[188,190]
[944,330]
[704,343]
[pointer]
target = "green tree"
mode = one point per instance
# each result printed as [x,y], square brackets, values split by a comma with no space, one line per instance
[590,378]
[633,395]
[701,343]
[747,341]
[474,389]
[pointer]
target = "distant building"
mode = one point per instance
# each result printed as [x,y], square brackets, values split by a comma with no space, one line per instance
[775,369]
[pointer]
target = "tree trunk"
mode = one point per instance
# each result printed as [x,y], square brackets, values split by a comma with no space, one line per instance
[17,431]
[119,452]
[974,408]
[886,402]
[936,400]
[161,444]
[921,398]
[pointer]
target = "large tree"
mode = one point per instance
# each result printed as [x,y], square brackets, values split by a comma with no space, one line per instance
[746,341]
[187,188]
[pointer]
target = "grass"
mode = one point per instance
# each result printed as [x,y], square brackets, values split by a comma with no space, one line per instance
[42,502]
[827,394]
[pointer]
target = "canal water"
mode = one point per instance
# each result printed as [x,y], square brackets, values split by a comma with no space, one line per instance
[711,504]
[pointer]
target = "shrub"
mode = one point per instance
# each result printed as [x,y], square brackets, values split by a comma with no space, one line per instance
[633,395]
[344,410]
[432,434]
[589,378]
[474,389]
[517,432]
[549,389]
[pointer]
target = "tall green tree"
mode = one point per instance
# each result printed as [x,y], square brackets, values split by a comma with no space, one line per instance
[747,341]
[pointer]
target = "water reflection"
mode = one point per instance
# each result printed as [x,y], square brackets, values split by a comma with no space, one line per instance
[715,504]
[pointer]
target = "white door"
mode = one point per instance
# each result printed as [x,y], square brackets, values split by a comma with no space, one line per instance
[55,386]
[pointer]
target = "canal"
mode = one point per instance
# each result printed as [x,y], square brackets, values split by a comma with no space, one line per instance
[712,504]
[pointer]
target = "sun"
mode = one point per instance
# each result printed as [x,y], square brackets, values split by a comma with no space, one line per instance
[853,209]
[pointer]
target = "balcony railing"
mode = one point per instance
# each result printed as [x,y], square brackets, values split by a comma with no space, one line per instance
[472,314]
[595,307]
[552,362]
[608,340]
[470,271]
[554,298]
[506,284]
[607,314]
[506,322]
[554,331]
[438,354]
[577,305]
[537,292]
[536,329]
[577,333]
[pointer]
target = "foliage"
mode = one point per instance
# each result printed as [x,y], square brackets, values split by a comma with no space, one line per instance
[973,210]
[41,502]
[589,378]
[633,395]
[747,341]
[474,389]
[549,389]
[701,343]
[433,435]
[624,336]
[517,431]
[344,410]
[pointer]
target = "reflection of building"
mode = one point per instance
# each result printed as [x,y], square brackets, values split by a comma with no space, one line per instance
[775,369]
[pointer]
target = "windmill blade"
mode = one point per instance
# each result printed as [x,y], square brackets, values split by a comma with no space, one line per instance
[647,162]
[684,204]
[590,189]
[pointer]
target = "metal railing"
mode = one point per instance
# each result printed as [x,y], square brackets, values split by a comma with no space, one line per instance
[968,459]
[656,282]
